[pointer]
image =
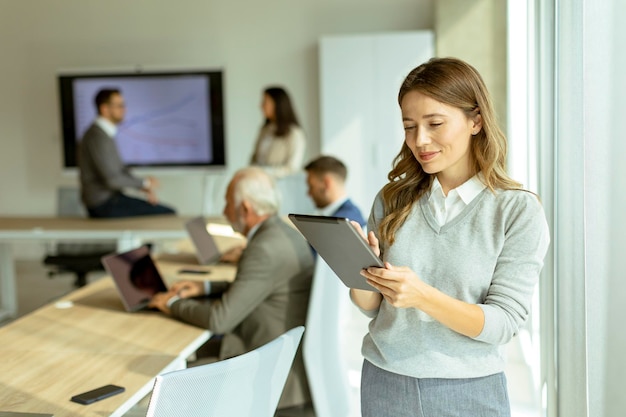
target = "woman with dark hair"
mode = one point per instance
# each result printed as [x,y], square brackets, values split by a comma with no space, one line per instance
[281,143]
[462,245]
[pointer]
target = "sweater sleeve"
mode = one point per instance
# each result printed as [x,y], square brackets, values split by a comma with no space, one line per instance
[296,144]
[109,165]
[508,301]
[253,283]
[254,159]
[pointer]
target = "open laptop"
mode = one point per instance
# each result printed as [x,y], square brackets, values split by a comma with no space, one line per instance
[206,248]
[136,277]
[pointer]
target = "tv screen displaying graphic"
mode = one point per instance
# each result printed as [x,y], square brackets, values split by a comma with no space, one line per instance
[172,118]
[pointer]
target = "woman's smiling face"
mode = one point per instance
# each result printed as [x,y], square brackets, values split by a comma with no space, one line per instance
[439,136]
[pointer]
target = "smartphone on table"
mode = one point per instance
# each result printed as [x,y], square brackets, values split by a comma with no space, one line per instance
[97,394]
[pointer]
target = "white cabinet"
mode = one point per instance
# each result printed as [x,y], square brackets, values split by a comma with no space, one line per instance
[361,122]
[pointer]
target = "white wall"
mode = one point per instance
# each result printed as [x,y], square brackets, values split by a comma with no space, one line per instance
[257,43]
[475,31]
[361,122]
[614,365]
[589,226]
[605,204]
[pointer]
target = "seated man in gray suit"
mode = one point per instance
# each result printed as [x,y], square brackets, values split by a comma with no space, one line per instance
[270,293]
[103,175]
[326,178]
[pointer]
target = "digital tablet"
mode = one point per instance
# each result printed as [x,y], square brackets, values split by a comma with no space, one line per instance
[340,245]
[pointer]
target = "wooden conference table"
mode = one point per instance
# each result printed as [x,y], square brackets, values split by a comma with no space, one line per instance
[85,340]
[128,232]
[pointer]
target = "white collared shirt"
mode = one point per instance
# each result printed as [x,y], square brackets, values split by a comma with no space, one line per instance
[446,208]
[253,230]
[109,127]
[330,209]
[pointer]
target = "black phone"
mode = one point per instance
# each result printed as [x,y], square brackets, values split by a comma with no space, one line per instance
[97,394]
[194,271]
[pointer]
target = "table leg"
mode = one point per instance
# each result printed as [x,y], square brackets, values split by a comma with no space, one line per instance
[127,241]
[8,293]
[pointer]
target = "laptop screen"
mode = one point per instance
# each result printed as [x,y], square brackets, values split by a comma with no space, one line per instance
[136,277]
[206,248]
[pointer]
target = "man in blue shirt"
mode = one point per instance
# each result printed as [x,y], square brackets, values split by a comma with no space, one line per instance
[326,178]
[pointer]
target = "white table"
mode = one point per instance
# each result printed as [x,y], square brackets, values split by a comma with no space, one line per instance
[86,340]
[128,232]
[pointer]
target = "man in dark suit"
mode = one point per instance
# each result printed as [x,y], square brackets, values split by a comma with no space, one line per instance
[103,175]
[270,293]
[326,178]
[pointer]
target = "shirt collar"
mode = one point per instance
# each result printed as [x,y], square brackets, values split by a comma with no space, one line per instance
[106,125]
[436,190]
[254,229]
[471,188]
[466,191]
[330,209]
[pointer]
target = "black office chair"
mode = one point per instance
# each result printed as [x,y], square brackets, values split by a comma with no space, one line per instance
[80,262]
[77,258]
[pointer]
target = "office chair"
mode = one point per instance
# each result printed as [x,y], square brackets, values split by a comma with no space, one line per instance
[77,258]
[247,385]
[327,371]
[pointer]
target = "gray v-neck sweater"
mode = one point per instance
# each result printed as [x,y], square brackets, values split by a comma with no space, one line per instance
[490,254]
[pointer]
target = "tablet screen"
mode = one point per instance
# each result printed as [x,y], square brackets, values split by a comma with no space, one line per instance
[340,245]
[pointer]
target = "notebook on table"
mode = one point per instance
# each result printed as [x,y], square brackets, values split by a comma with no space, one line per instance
[136,277]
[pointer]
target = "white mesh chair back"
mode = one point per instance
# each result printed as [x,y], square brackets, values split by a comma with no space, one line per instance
[327,371]
[247,385]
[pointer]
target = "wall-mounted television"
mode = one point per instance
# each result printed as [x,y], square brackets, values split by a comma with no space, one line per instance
[173,118]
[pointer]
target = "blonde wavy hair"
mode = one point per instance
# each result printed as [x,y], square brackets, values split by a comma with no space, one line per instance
[455,83]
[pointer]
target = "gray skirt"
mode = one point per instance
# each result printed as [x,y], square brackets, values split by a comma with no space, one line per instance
[385,393]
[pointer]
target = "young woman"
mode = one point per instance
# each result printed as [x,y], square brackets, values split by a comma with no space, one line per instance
[280,144]
[462,245]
